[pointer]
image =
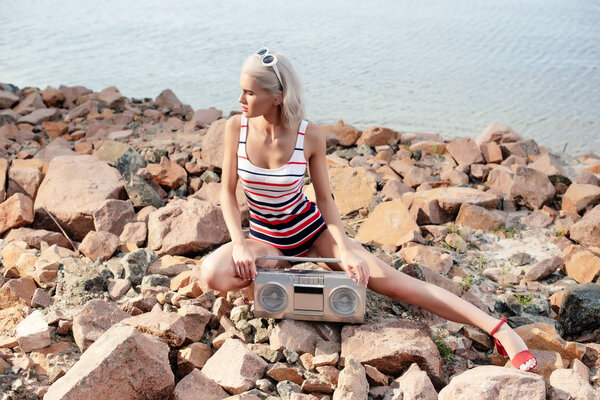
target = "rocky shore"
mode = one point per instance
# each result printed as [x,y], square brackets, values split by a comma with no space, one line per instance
[109,205]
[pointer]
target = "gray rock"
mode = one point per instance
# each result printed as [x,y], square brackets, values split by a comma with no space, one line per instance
[78,281]
[265,385]
[121,156]
[519,259]
[365,150]
[156,280]
[347,154]
[210,176]
[136,263]
[141,193]
[580,311]
[290,355]
[286,388]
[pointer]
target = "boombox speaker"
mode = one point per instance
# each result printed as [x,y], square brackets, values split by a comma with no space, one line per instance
[307,294]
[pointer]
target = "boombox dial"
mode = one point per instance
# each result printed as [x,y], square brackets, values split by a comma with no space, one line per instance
[308,295]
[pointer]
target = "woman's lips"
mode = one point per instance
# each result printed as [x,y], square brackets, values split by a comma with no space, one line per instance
[244,108]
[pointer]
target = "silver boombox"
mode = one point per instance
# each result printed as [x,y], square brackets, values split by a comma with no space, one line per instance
[307,294]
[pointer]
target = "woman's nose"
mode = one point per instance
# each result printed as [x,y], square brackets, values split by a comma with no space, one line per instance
[242,99]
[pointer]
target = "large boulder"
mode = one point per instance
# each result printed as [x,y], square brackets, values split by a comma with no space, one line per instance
[122,364]
[441,205]
[348,134]
[587,230]
[465,151]
[95,318]
[391,347]
[235,367]
[73,189]
[352,188]
[15,212]
[213,143]
[580,309]
[578,197]
[532,188]
[38,116]
[494,383]
[185,226]
[499,133]
[389,223]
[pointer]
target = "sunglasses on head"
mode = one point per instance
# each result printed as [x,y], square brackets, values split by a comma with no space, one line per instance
[269,60]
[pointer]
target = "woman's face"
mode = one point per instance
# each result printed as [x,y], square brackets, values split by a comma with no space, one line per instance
[255,100]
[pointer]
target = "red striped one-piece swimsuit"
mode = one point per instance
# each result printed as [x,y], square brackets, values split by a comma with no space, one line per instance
[280,213]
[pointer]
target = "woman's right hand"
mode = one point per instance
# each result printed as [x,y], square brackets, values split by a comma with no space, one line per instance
[244,261]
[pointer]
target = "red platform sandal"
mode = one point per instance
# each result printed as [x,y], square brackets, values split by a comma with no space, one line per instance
[519,359]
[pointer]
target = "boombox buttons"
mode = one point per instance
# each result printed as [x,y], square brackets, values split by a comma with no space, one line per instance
[308,295]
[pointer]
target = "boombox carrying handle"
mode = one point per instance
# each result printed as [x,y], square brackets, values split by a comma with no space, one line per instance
[302,259]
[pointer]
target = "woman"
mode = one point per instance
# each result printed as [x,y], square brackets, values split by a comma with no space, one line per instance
[268,148]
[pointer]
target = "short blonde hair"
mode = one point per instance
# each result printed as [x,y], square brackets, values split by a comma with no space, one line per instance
[292,106]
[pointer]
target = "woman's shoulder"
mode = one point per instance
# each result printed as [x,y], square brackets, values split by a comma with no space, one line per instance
[314,133]
[235,121]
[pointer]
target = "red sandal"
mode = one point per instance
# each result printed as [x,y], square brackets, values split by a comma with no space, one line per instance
[519,359]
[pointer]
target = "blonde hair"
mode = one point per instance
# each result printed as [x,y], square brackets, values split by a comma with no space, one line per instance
[292,105]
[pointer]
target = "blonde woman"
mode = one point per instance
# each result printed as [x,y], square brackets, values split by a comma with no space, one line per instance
[269,148]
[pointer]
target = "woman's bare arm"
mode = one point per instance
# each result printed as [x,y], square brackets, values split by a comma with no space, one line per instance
[229,177]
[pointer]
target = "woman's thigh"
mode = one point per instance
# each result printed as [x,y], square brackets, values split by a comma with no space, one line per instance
[218,268]
[383,278]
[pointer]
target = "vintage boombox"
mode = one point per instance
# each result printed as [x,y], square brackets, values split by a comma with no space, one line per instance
[308,295]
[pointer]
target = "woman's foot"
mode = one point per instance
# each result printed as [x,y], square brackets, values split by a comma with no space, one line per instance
[514,346]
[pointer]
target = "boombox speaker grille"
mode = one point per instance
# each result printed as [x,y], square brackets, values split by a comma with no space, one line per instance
[272,298]
[344,301]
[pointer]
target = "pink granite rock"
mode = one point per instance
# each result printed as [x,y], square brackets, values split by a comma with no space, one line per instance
[112,215]
[480,218]
[195,319]
[99,245]
[234,367]
[17,292]
[169,327]
[34,237]
[195,383]
[494,383]
[499,133]
[578,197]
[213,143]
[567,383]
[587,230]
[299,336]
[73,189]
[532,188]
[168,173]
[122,364]
[352,382]
[377,136]
[392,346]
[32,332]
[16,211]
[134,232]
[348,134]
[24,176]
[415,384]
[95,318]
[185,226]
[389,223]
[465,151]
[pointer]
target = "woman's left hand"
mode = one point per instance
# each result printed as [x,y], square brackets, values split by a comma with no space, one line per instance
[355,266]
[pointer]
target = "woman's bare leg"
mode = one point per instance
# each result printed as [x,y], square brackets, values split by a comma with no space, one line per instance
[218,271]
[387,280]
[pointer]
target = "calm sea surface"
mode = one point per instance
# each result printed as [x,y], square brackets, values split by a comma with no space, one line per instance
[449,67]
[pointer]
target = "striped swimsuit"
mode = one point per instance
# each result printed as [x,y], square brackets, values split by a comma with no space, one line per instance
[280,213]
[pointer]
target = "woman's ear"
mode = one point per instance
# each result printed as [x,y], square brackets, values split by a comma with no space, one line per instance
[278,98]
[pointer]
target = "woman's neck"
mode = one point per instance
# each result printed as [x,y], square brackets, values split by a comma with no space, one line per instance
[270,123]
